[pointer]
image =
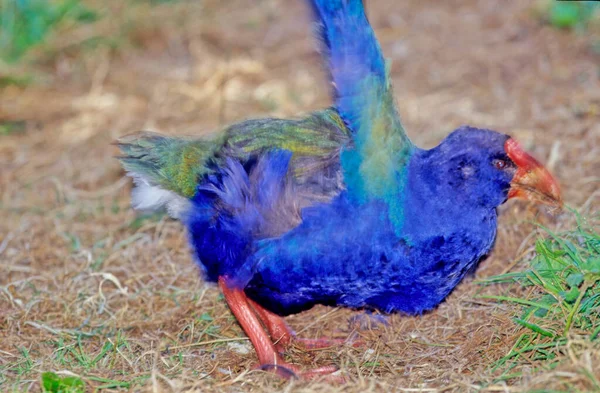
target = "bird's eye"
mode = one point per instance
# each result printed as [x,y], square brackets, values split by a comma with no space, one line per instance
[499,164]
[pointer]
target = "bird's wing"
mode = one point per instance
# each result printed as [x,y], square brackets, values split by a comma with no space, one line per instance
[172,163]
[364,99]
[167,169]
[178,163]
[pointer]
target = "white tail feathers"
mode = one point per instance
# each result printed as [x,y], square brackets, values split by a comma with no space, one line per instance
[146,196]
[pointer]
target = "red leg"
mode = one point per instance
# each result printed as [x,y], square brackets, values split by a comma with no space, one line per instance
[283,335]
[279,331]
[268,357]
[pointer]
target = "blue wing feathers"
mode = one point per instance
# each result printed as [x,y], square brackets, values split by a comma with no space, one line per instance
[352,51]
[232,207]
[373,167]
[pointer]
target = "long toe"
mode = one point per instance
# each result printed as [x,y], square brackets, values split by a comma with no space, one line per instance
[289,371]
[284,370]
[326,372]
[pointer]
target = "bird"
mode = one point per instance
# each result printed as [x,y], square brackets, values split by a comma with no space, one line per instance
[339,207]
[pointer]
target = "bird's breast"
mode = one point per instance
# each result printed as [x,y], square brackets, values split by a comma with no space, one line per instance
[355,258]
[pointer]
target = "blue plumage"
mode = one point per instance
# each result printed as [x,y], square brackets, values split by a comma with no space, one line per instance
[349,254]
[231,209]
[355,62]
[339,208]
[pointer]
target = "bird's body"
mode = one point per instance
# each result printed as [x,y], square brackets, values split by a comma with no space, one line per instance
[340,252]
[285,228]
[339,208]
[380,270]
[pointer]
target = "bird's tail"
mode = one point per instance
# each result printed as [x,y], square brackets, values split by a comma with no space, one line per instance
[166,170]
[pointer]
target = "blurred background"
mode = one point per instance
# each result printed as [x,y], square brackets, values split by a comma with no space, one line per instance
[88,286]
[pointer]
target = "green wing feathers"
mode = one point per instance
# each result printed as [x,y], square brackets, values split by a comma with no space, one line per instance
[177,164]
[174,164]
[316,135]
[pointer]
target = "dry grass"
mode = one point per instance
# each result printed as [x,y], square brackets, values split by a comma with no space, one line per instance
[89,288]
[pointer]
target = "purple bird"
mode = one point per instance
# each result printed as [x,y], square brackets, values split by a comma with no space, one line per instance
[339,208]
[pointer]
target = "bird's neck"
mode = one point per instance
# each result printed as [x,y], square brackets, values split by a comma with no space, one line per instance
[435,206]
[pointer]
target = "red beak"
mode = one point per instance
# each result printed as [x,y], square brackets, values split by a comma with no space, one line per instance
[531,181]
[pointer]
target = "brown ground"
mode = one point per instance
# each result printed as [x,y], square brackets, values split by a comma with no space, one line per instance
[75,260]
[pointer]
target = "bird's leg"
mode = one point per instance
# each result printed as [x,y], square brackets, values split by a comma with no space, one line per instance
[238,303]
[283,335]
[268,357]
[278,329]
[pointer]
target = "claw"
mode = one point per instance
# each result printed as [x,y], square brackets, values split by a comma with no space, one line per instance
[282,371]
[289,371]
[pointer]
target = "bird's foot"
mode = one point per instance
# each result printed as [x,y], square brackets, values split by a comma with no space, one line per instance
[268,356]
[317,343]
[289,371]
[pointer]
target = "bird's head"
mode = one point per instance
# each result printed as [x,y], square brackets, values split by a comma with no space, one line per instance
[488,167]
